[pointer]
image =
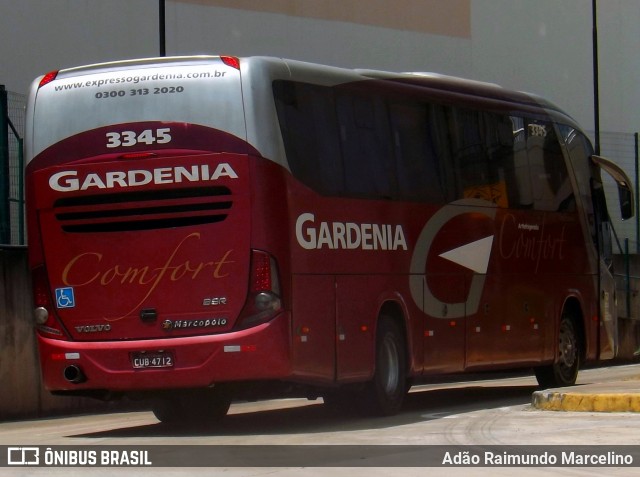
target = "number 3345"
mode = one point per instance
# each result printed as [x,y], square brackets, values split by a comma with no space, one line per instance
[131,138]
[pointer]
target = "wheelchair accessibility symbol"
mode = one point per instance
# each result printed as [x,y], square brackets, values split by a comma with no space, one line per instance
[65,298]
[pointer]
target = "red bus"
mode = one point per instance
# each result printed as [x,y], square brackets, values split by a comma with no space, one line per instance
[210,228]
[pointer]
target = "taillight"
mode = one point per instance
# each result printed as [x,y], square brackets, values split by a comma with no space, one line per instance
[46,322]
[231,61]
[263,300]
[48,78]
[264,276]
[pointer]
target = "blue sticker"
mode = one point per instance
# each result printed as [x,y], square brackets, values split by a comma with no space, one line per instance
[65,298]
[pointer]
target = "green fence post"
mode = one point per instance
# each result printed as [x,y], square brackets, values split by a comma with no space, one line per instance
[637,194]
[5,211]
[21,198]
[627,272]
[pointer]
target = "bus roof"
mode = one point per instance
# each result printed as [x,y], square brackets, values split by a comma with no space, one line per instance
[482,94]
[482,91]
[427,79]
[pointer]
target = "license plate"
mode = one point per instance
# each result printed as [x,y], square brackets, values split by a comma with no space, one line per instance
[152,359]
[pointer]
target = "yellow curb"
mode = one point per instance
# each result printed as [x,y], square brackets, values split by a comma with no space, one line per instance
[601,402]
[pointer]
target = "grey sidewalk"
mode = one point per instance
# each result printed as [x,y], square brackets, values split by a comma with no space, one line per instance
[619,396]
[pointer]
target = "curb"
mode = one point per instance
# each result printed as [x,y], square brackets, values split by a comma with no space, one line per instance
[556,400]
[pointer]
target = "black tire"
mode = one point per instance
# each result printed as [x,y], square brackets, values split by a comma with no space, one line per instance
[384,394]
[564,371]
[195,406]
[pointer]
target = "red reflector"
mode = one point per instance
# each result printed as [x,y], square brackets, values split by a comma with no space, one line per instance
[57,356]
[231,61]
[249,348]
[137,155]
[48,78]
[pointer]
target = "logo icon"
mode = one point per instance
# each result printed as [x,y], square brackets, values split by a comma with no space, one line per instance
[65,298]
[23,456]
[473,256]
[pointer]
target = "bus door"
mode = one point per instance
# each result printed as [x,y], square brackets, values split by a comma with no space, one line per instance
[607,337]
[608,334]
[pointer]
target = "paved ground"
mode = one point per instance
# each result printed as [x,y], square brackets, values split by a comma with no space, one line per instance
[622,395]
[476,416]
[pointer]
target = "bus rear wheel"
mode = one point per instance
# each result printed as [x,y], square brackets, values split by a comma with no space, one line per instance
[564,371]
[193,406]
[385,393]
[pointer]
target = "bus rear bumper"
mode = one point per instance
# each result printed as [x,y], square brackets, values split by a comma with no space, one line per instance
[257,353]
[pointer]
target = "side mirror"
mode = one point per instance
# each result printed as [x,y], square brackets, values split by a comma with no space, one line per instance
[626,202]
[625,190]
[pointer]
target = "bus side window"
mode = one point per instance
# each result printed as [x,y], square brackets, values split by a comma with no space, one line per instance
[467,150]
[416,158]
[441,136]
[550,179]
[499,143]
[602,223]
[364,137]
[482,145]
[580,152]
[309,130]
[521,177]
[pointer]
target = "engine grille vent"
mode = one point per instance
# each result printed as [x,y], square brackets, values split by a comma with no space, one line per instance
[143,210]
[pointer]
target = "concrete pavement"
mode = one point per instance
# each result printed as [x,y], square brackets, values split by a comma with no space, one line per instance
[615,396]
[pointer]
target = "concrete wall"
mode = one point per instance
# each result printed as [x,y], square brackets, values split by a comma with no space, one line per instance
[21,392]
[542,46]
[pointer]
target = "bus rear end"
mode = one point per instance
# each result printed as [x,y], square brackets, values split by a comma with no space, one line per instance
[144,275]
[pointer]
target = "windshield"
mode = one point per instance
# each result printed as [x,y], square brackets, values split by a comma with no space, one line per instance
[205,92]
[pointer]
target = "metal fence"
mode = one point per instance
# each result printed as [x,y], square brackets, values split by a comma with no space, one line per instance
[622,148]
[12,122]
